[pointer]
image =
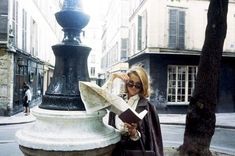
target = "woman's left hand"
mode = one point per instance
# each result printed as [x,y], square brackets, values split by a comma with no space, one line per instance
[131,129]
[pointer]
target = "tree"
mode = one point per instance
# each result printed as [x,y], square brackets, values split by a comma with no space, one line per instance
[200,119]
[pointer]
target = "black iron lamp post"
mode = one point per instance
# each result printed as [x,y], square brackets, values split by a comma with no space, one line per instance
[71,61]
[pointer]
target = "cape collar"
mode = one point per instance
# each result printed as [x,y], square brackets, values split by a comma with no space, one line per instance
[142,102]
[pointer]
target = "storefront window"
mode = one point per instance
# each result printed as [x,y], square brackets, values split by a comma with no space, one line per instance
[181,82]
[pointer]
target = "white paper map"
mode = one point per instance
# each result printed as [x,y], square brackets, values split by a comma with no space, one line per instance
[95,98]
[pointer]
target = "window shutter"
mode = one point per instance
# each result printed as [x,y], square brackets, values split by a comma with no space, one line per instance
[172,28]
[139,42]
[181,29]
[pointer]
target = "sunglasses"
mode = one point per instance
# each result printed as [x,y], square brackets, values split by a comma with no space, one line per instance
[131,84]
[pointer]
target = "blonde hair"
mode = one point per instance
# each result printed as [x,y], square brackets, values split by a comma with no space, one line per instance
[144,78]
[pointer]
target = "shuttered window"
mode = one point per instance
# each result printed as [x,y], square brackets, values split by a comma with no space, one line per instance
[139,39]
[24,30]
[124,48]
[176,29]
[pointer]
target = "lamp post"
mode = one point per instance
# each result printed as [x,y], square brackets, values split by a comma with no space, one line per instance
[62,126]
[71,61]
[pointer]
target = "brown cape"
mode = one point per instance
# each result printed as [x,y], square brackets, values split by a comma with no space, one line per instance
[149,128]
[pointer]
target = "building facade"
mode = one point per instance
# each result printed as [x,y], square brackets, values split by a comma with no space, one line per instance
[166,37]
[115,37]
[28,29]
[91,38]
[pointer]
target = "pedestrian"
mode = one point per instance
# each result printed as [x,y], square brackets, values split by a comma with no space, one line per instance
[146,134]
[26,99]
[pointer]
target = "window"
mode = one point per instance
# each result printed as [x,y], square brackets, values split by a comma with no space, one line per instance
[92,71]
[112,56]
[133,40]
[181,82]
[139,37]
[15,22]
[176,28]
[3,20]
[142,31]
[33,38]
[24,29]
[124,48]
[92,58]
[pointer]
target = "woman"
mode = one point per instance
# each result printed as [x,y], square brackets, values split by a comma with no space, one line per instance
[26,99]
[146,134]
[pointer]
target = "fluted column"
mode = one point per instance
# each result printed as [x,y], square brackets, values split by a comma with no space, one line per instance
[71,61]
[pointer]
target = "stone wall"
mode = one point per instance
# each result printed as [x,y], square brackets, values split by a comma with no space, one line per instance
[6,82]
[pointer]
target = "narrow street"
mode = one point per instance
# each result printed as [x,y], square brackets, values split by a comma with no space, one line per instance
[8,144]
[222,141]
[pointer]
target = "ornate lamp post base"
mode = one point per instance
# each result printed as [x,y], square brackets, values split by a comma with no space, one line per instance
[107,151]
[67,133]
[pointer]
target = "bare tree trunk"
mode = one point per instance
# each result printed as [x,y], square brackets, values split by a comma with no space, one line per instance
[200,119]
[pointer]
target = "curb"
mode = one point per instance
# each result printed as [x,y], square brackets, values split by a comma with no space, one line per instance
[14,123]
[183,124]
[16,120]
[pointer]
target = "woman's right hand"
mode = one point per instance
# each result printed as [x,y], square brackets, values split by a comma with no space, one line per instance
[122,76]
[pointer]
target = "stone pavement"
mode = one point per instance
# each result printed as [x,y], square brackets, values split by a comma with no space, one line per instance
[223,120]
[19,118]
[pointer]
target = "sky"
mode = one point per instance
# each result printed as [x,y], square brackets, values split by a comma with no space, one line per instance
[95,9]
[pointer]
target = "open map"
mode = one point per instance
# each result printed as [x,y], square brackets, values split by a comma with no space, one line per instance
[96,98]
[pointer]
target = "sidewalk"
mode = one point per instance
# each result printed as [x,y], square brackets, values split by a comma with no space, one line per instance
[223,120]
[19,118]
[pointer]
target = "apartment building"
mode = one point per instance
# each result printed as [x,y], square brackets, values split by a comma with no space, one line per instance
[167,36]
[92,34]
[28,29]
[115,38]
